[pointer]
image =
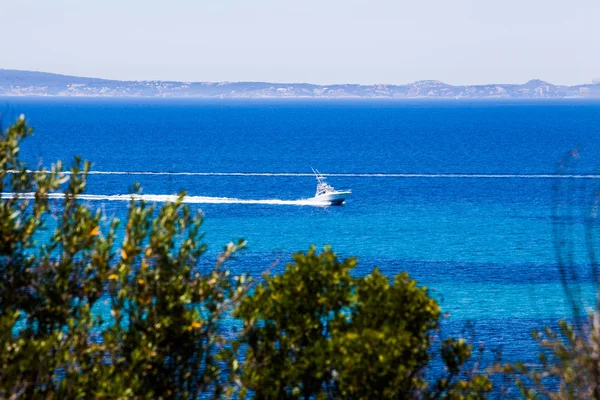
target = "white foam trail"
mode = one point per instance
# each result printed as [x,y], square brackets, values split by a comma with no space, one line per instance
[350,175]
[162,198]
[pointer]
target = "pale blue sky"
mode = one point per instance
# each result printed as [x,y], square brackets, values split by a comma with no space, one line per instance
[317,41]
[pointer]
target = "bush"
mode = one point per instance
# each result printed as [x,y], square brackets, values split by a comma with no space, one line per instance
[314,331]
[163,338]
[317,332]
[569,363]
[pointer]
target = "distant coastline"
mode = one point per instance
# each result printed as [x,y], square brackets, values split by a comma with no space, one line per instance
[31,83]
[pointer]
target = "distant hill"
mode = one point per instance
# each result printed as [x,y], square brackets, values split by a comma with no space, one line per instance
[30,83]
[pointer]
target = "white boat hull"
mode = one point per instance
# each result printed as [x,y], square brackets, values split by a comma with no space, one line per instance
[326,194]
[333,198]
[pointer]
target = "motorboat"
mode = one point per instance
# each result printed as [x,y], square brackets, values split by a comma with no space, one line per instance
[326,193]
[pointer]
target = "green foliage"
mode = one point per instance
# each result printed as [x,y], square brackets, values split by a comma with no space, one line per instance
[317,332]
[385,346]
[314,331]
[163,340]
[287,323]
[569,363]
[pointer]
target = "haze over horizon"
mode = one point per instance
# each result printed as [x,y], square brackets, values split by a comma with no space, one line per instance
[465,42]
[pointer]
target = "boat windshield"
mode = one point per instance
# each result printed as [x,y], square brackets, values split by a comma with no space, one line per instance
[323,188]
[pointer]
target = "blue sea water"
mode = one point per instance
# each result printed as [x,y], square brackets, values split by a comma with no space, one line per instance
[462,194]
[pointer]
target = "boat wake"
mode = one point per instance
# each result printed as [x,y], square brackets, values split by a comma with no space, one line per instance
[165,198]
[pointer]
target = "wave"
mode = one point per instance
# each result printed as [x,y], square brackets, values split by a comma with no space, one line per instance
[352,175]
[164,198]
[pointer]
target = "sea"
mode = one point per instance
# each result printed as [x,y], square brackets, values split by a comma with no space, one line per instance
[489,204]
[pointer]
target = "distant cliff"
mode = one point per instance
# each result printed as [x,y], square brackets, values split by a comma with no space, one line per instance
[29,83]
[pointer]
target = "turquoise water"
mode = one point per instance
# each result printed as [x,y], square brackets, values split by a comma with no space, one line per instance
[460,194]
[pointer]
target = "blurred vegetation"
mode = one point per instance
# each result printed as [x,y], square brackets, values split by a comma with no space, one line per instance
[314,331]
[568,364]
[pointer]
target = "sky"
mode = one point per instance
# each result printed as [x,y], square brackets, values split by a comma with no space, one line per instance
[314,41]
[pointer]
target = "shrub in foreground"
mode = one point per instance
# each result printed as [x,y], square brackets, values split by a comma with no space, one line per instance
[84,314]
[161,337]
[569,363]
[315,331]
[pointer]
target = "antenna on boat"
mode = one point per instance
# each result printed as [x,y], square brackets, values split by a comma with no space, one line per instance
[320,178]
